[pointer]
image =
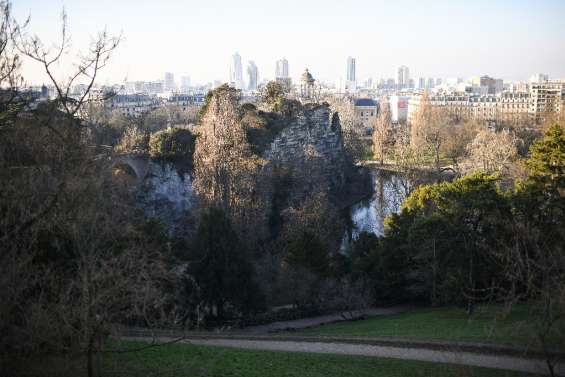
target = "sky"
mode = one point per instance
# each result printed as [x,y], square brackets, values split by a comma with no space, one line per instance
[510,39]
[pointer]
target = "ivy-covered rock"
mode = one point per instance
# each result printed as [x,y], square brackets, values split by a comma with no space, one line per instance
[172,144]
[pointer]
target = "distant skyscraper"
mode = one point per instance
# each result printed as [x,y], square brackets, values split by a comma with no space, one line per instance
[282,69]
[421,83]
[169,82]
[185,83]
[492,85]
[351,69]
[403,77]
[431,83]
[252,75]
[439,82]
[236,71]
[538,78]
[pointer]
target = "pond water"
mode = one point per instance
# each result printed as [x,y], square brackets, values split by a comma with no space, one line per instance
[389,190]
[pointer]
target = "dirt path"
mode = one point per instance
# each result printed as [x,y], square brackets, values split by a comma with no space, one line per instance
[461,353]
[324,319]
[512,363]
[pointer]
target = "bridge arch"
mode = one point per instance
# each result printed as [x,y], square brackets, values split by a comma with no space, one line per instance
[133,169]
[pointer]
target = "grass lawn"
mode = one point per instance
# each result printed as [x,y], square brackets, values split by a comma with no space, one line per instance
[184,360]
[439,324]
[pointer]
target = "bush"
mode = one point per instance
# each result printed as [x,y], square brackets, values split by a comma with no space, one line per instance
[133,141]
[221,269]
[173,143]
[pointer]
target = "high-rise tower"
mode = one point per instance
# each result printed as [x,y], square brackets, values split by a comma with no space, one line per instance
[236,71]
[403,77]
[351,69]
[282,69]
[252,75]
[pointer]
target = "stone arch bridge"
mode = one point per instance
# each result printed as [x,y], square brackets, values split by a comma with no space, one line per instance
[134,167]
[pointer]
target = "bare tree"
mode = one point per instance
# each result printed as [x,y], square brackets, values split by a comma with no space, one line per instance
[524,127]
[103,285]
[458,136]
[10,61]
[492,151]
[429,132]
[409,161]
[535,268]
[87,66]
[421,119]
[73,259]
[382,131]
[226,171]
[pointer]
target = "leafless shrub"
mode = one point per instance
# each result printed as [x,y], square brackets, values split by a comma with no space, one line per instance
[382,133]
[492,151]
[73,259]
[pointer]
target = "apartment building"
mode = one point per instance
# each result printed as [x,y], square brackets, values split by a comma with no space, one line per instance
[546,97]
[504,106]
[133,105]
[366,112]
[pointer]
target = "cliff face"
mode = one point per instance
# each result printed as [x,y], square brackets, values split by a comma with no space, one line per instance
[311,146]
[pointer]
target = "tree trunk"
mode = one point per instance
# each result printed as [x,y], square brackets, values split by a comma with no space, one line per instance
[90,361]
[437,161]
[434,276]
[470,308]
[220,309]
[382,153]
[471,304]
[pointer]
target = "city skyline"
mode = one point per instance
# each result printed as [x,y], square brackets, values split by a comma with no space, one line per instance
[316,35]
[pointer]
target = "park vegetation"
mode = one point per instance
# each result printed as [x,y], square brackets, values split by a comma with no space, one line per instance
[80,260]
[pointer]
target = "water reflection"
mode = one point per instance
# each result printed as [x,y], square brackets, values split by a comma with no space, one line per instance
[389,190]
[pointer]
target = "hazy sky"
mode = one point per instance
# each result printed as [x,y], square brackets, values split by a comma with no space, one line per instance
[511,39]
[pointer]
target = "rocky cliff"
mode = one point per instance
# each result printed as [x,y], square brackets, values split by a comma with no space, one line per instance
[311,146]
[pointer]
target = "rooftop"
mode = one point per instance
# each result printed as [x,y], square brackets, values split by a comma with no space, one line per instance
[365,102]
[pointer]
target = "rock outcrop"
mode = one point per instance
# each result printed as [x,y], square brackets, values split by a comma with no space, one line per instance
[311,146]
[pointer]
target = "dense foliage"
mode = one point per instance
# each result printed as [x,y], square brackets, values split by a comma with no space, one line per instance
[172,144]
[221,268]
[274,96]
[438,248]
[470,241]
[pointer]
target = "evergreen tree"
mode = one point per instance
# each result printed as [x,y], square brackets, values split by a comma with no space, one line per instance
[546,165]
[220,267]
[308,251]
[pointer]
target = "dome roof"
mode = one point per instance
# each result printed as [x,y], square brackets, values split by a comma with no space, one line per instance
[307,77]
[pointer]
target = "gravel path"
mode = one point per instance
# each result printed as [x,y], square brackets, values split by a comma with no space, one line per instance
[324,319]
[470,354]
[449,357]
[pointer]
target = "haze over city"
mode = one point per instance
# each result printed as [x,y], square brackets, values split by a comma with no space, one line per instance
[506,39]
